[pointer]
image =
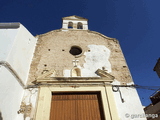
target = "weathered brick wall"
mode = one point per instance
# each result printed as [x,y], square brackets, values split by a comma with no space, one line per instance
[52,52]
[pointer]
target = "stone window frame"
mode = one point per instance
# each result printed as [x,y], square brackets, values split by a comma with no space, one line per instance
[78,47]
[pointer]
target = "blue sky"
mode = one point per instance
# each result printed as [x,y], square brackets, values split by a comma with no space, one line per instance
[135,23]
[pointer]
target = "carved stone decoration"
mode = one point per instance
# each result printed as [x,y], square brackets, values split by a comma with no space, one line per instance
[75,62]
[47,74]
[102,73]
[25,109]
[47,78]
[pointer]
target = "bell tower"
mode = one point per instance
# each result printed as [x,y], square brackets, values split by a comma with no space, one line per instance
[75,22]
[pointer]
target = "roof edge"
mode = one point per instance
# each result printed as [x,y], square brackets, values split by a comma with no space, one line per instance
[9,25]
[70,17]
[89,31]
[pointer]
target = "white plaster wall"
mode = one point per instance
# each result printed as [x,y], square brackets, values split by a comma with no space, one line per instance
[132,108]
[7,37]
[97,58]
[21,53]
[10,95]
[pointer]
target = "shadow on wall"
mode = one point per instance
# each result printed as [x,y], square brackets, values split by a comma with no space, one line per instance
[1,116]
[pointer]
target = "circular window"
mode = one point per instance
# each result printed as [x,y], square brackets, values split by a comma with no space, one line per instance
[75,50]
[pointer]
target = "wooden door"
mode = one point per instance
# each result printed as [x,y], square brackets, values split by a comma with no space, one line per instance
[76,106]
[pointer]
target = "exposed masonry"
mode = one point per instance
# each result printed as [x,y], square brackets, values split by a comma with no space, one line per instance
[52,53]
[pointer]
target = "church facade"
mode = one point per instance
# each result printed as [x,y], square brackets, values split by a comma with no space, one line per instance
[67,74]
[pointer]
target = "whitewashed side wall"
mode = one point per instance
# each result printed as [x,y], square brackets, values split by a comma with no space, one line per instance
[131,108]
[10,95]
[21,54]
[16,47]
[7,37]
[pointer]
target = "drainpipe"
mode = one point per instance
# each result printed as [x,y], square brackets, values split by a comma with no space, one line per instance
[14,73]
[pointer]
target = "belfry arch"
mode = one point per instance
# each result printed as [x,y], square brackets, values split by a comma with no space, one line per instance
[70,24]
[79,25]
